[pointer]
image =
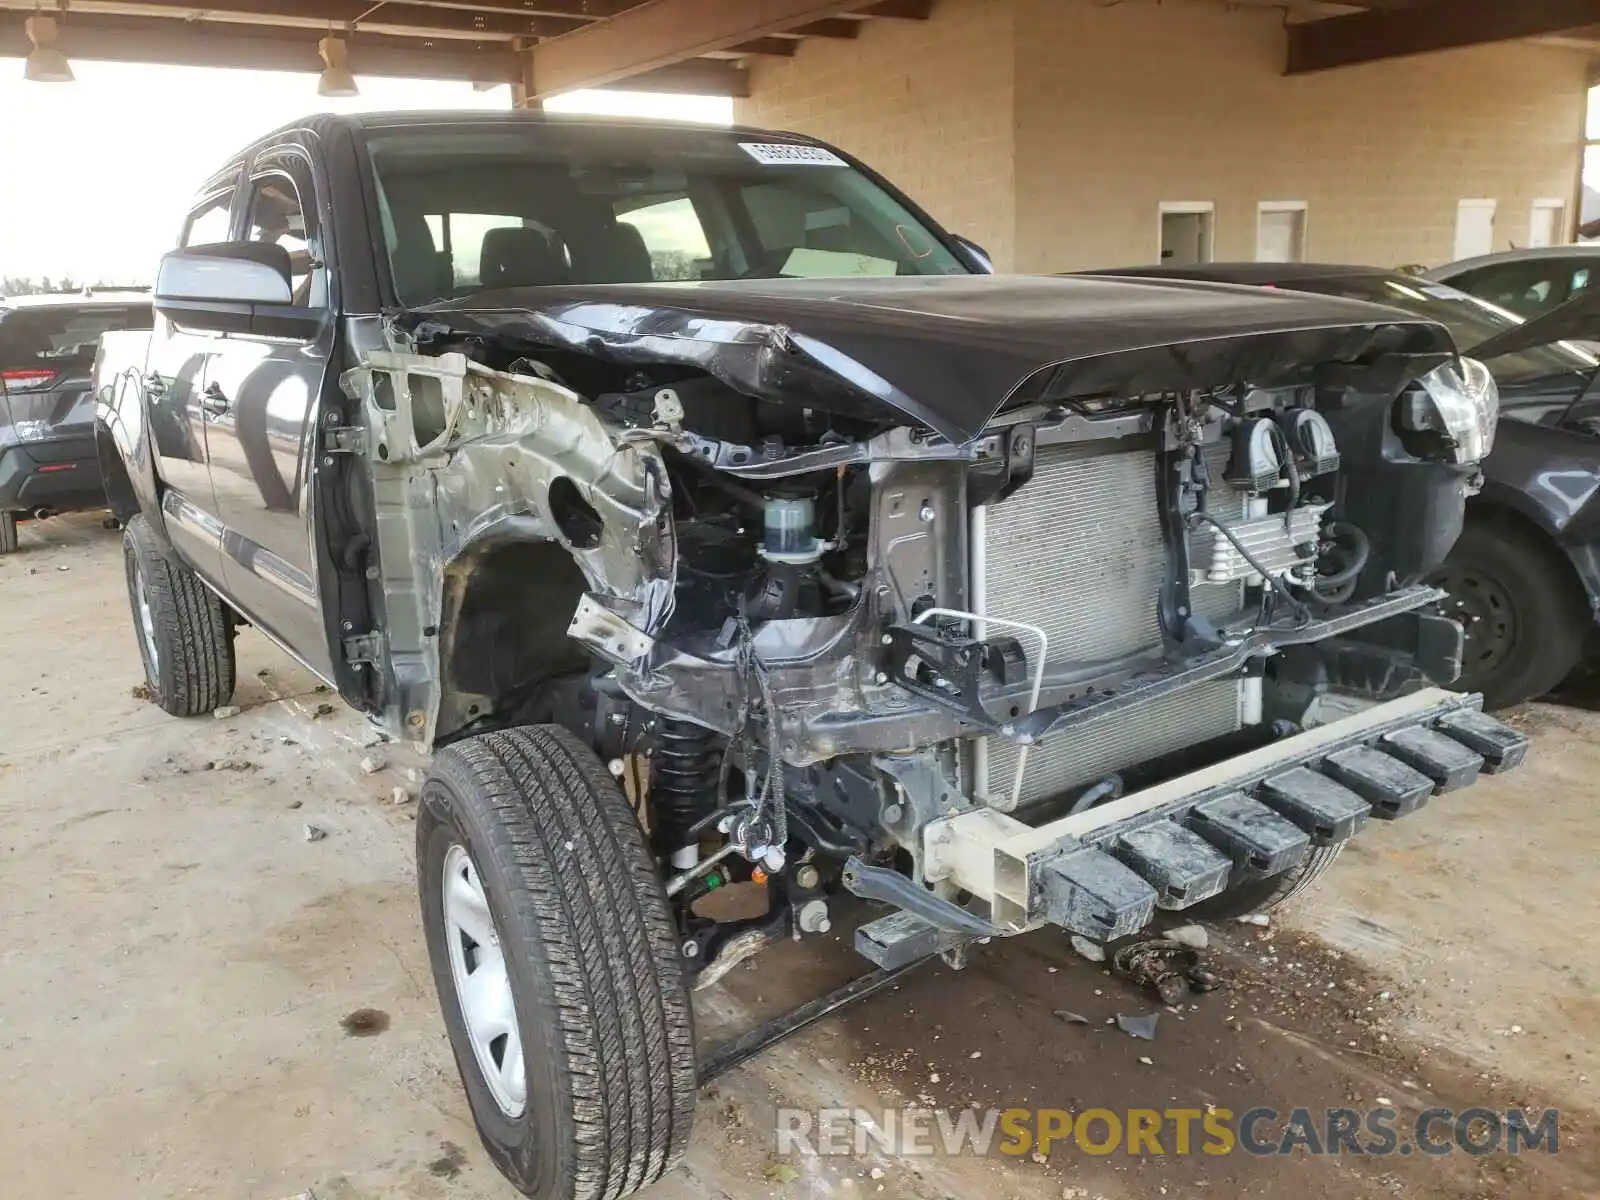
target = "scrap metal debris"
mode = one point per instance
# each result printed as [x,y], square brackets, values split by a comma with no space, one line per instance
[1172,969]
[1139,1026]
[1070,1017]
[1194,936]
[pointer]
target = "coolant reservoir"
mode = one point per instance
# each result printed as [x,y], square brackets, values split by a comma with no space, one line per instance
[789,524]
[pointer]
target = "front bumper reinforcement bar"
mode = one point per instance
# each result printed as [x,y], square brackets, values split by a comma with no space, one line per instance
[1104,872]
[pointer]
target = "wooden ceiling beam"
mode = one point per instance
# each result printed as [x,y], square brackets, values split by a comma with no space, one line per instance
[262,48]
[402,19]
[896,10]
[696,77]
[1423,28]
[660,34]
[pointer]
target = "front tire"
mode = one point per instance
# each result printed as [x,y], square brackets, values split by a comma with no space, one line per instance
[184,632]
[557,965]
[1518,607]
[8,533]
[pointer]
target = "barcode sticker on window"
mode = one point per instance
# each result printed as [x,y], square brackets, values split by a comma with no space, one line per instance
[791,154]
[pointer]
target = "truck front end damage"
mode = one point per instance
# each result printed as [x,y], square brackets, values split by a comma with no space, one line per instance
[1024,608]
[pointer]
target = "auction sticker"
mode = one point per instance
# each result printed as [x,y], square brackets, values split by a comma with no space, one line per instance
[790,154]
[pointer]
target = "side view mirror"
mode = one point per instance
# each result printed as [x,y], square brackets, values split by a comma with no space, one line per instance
[233,287]
[974,255]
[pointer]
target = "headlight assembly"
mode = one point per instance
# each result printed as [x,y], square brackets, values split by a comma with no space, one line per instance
[1452,411]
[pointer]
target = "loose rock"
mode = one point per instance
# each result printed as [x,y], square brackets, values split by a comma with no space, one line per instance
[226,711]
[1193,936]
[1093,951]
[400,796]
[372,764]
[315,833]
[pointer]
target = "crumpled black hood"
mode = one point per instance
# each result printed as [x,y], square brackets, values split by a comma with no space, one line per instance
[951,351]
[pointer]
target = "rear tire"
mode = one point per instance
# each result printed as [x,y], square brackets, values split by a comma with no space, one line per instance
[8,532]
[1264,895]
[1523,618]
[525,833]
[184,632]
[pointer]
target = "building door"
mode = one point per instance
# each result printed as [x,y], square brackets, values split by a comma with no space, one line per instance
[1186,233]
[1474,228]
[1281,232]
[1547,223]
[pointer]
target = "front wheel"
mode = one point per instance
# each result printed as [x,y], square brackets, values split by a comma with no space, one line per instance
[8,532]
[557,965]
[1517,605]
[185,633]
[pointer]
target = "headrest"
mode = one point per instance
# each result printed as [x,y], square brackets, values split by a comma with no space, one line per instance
[519,257]
[612,253]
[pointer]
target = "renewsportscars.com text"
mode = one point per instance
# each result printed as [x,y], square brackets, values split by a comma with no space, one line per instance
[1177,1131]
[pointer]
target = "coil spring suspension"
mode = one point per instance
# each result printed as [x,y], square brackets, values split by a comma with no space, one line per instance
[683,784]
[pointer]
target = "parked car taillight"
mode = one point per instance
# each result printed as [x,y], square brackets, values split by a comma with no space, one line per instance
[26,379]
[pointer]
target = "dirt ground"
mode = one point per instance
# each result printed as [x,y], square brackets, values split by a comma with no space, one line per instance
[198,1000]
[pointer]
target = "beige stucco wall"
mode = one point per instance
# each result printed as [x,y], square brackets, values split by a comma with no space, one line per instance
[928,103]
[1051,130]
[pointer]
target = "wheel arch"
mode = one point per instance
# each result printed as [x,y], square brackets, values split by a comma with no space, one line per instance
[1494,512]
[505,606]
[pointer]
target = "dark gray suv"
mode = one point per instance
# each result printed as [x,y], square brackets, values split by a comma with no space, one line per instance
[47,451]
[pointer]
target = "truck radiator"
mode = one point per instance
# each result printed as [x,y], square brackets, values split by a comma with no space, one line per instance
[1078,552]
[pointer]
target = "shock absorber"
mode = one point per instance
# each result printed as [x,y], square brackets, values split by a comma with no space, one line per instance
[683,786]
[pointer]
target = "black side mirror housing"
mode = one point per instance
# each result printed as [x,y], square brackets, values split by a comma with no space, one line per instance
[973,255]
[233,287]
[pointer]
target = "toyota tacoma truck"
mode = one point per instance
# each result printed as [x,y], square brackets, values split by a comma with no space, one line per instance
[738,545]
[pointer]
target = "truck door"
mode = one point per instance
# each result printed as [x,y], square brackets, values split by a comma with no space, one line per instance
[261,399]
[173,385]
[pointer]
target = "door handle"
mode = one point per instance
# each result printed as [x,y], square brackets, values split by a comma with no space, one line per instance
[154,386]
[214,400]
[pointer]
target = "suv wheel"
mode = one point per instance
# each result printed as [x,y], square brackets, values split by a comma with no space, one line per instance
[1524,627]
[185,635]
[557,965]
[8,532]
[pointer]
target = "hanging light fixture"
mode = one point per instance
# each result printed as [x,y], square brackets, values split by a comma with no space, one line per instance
[44,64]
[336,79]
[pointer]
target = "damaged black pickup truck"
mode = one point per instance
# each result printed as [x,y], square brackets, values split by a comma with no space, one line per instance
[736,542]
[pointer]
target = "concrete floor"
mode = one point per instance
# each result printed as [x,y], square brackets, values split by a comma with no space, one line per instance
[176,960]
